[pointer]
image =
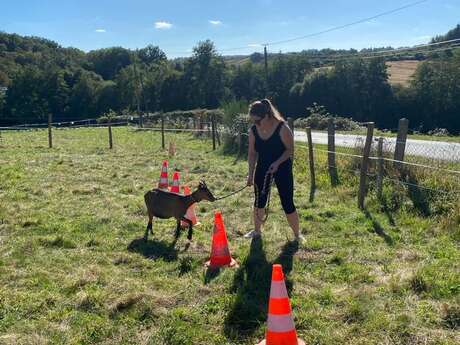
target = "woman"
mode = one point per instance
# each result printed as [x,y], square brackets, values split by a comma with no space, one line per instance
[271,144]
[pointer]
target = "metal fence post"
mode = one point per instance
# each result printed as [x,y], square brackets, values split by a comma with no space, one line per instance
[379,168]
[50,133]
[110,134]
[162,131]
[312,165]
[364,164]
[331,154]
[213,128]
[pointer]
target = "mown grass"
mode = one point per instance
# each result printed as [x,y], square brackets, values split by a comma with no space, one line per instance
[74,269]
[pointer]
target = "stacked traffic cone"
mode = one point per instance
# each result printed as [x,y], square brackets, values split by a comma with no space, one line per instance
[172,149]
[220,254]
[280,325]
[163,183]
[190,215]
[175,188]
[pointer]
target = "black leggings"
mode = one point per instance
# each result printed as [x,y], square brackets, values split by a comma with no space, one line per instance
[284,183]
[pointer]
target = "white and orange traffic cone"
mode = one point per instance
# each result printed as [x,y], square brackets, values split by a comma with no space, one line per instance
[163,183]
[280,324]
[190,215]
[220,254]
[175,188]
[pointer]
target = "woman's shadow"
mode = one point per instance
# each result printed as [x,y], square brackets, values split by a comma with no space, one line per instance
[252,283]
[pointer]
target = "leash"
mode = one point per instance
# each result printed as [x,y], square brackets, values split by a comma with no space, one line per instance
[229,195]
[268,181]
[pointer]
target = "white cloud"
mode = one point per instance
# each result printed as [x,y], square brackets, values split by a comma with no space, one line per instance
[163,25]
[254,45]
[215,22]
[101,30]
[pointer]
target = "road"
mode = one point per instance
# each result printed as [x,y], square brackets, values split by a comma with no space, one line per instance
[424,148]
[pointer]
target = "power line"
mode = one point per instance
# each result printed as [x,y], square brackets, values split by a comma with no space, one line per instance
[350,24]
[391,52]
[335,28]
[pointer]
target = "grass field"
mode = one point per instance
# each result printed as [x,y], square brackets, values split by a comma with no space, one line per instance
[75,270]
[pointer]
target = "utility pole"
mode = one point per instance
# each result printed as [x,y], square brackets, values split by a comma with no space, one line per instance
[266,68]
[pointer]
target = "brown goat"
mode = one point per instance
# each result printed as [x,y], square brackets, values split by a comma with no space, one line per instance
[164,205]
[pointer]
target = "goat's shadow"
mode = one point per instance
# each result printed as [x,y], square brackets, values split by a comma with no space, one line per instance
[252,283]
[154,249]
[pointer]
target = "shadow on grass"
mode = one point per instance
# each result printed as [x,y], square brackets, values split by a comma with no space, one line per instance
[388,212]
[378,229]
[153,249]
[252,284]
[419,197]
[211,273]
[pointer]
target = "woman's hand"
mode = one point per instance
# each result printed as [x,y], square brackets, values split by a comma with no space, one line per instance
[250,181]
[273,168]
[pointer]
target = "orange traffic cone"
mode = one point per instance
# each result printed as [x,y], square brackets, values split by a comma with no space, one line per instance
[280,325]
[220,254]
[175,184]
[190,215]
[163,183]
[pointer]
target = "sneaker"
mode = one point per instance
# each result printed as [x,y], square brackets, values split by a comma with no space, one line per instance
[252,234]
[300,239]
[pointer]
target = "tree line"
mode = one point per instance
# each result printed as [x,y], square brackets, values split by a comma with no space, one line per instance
[38,77]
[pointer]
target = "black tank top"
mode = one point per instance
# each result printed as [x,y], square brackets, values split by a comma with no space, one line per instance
[271,149]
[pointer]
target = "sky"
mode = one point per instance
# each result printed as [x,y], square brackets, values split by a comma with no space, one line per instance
[176,26]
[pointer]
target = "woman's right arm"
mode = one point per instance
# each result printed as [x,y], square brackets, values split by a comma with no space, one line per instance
[252,157]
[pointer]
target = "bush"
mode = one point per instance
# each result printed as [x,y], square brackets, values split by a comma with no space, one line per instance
[319,118]
[231,137]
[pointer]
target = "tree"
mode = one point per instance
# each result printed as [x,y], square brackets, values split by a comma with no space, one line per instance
[108,62]
[25,99]
[204,74]
[151,55]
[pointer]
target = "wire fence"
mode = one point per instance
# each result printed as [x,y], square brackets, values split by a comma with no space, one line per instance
[395,169]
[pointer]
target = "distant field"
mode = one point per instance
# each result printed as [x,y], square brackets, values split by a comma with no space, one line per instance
[401,72]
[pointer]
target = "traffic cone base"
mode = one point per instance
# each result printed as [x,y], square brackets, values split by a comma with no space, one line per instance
[232,264]
[299,342]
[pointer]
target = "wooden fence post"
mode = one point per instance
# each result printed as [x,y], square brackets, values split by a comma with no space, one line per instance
[213,128]
[379,168]
[110,134]
[50,133]
[312,165]
[216,126]
[364,164]
[401,139]
[240,143]
[163,131]
[331,154]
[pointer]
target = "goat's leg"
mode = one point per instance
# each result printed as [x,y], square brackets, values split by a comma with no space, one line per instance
[177,233]
[190,228]
[149,227]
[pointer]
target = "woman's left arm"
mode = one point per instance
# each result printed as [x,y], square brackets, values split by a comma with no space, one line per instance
[288,140]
